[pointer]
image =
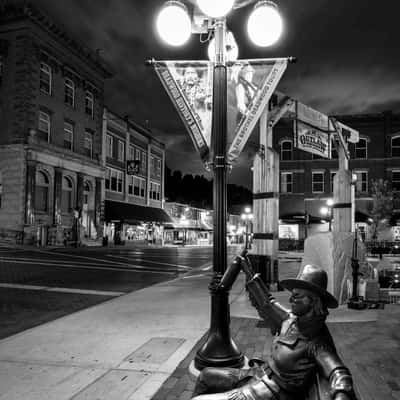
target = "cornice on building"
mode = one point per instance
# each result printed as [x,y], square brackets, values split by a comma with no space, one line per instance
[13,10]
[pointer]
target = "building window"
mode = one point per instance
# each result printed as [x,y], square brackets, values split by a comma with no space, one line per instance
[42,192]
[396,180]
[89,103]
[286,150]
[66,195]
[1,186]
[396,146]
[88,145]
[158,170]
[109,146]
[69,94]
[45,79]
[1,69]
[121,150]
[114,180]
[155,191]
[333,173]
[144,162]
[137,186]
[361,149]
[108,179]
[318,182]
[286,182]
[334,153]
[362,181]
[131,153]
[44,126]
[68,136]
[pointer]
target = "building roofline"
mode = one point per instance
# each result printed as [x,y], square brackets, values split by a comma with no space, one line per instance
[13,10]
[135,125]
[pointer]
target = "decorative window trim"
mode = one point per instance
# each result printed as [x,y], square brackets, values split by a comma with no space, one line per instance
[282,151]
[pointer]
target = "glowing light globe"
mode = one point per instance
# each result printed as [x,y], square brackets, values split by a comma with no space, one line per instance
[231,48]
[265,25]
[173,23]
[215,8]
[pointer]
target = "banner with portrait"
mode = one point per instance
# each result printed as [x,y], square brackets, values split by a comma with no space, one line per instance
[250,85]
[189,84]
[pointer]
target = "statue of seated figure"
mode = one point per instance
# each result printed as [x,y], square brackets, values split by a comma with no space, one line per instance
[302,348]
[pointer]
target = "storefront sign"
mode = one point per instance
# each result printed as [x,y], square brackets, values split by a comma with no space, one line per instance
[132,167]
[312,140]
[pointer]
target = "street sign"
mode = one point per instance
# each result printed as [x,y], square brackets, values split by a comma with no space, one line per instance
[132,167]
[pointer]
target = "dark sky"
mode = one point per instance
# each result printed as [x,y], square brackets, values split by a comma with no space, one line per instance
[348,60]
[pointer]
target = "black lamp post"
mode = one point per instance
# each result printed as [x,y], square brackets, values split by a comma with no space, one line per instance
[219,349]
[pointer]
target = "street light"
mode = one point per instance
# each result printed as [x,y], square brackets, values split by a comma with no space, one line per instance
[327,211]
[247,217]
[219,349]
[265,26]
[173,23]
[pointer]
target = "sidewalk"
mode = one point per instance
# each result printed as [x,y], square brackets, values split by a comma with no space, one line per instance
[139,346]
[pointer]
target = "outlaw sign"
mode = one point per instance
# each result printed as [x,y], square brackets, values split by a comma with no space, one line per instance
[312,140]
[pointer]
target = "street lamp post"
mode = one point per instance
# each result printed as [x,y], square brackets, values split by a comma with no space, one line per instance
[219,349]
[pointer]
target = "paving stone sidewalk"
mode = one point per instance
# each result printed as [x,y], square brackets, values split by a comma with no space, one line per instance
[370,349]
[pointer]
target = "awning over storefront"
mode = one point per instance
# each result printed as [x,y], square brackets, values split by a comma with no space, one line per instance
[299,218]
[191,225]
[132,213]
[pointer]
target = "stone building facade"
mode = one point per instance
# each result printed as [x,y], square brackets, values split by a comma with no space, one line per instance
[51,111]
[134,182]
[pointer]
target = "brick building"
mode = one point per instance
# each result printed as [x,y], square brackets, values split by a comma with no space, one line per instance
[134,181]
[51,110]
[306,181]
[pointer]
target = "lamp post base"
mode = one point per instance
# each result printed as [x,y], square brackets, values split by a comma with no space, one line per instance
[357,303]
[219,350]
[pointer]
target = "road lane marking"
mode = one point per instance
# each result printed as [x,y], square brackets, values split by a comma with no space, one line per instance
[184,267]
[127,269]
[62,290]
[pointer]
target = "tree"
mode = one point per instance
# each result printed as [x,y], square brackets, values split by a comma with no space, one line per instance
[382,206]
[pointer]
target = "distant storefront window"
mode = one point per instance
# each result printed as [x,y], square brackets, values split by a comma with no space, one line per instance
[317,182]
[114,180]
[88,144]
[69,92]
[286,182]
[396,180]
[362,181]
[137,186]
[396,146]
[44,126]
[42,192]
[68,136]
[89,103]
[286,150]
[45,79]
[361,149]
[66,195]
[155,191]
[1,187]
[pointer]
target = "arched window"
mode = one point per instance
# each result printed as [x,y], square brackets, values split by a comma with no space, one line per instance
[286,150]
[42,192]
[361,149]
[396,146]
[66,196]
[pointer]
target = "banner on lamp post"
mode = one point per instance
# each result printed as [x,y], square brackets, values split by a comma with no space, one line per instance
[250,85]
[189,85]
